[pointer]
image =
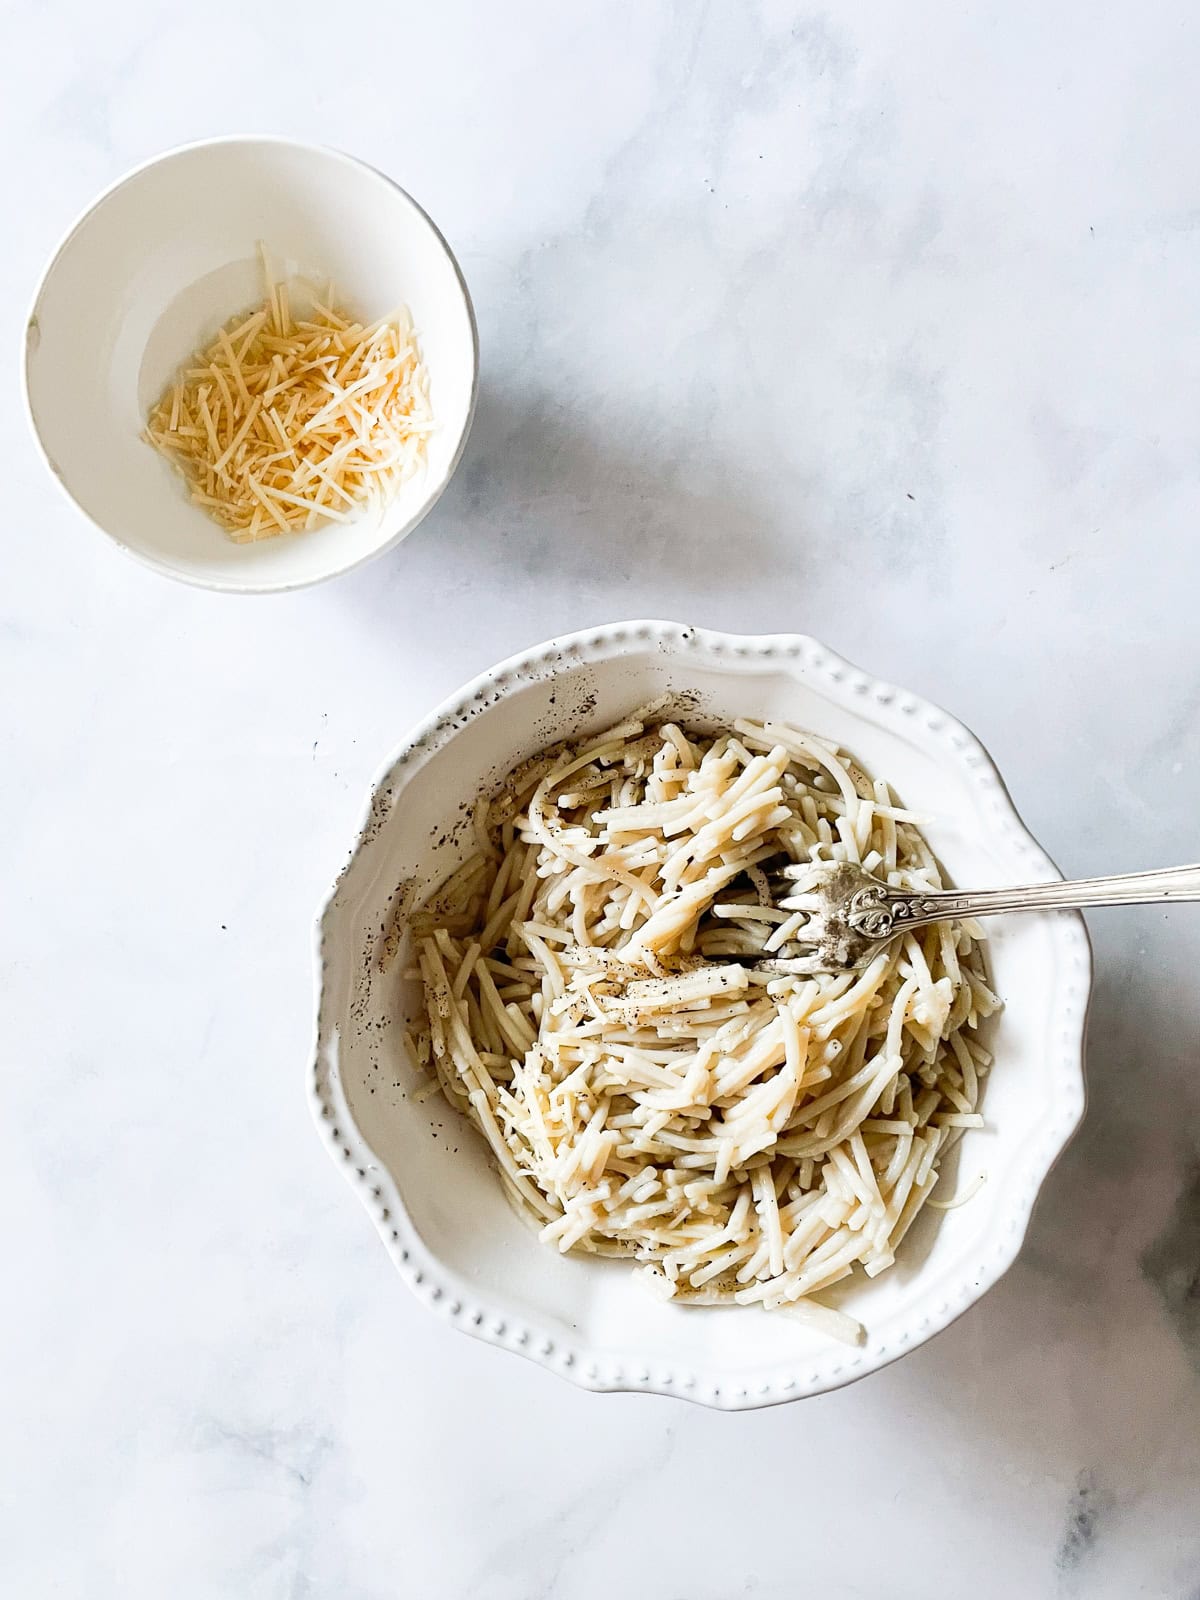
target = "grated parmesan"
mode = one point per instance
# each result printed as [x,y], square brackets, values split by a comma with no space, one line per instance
[286,422]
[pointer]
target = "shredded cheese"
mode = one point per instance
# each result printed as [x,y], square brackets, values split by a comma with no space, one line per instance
[284,422]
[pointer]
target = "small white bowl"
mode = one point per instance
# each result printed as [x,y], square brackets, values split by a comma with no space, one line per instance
[424,1174]
[150,273]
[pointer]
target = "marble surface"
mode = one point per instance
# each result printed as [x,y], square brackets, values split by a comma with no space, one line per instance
[874,321]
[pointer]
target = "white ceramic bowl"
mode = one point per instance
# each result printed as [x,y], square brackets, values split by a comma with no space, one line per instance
[149,274]
[423,1173]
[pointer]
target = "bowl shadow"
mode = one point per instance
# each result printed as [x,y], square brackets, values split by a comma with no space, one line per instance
[537,498]
[1080,1367]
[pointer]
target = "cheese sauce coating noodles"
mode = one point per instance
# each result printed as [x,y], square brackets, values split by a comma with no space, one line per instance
[592,1007]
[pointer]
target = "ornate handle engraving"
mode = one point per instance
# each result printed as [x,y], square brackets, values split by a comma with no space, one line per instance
[878,912]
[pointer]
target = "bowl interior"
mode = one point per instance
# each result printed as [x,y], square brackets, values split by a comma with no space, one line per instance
[151,273]
[438,1165]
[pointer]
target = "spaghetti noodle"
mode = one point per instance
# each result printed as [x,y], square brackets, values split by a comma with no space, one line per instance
[646,1091]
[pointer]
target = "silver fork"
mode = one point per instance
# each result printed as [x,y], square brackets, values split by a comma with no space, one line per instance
[851,915]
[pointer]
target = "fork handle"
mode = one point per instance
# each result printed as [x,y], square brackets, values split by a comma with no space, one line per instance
[880,915]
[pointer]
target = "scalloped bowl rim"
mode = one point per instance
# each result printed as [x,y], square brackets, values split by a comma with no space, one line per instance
[440,1288]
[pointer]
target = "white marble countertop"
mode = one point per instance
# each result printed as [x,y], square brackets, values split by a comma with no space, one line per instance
[873,321]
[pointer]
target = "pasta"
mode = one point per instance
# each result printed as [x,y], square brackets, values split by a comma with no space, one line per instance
[594,1008]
